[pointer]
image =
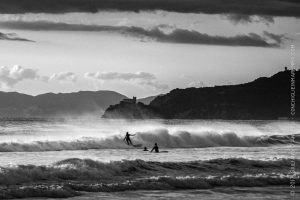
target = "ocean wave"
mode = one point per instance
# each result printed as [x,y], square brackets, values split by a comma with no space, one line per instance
[87,169]
[71,189]
[175,183]
[72,176]
[182,139]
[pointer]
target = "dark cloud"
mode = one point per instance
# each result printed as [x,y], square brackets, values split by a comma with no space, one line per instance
[246,7]
[278,38]
[13,37]
[244,19]
[176,36]
[267,19]
[240,18]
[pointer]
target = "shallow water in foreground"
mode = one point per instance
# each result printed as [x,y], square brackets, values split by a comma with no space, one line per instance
[232,193]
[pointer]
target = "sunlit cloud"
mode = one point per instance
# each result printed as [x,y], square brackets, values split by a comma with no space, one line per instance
[64,77]
[10,76]
[143,78]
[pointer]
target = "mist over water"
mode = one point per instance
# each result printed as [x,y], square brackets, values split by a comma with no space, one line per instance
[81,134]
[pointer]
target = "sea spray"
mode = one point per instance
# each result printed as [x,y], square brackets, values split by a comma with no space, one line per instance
[180,139]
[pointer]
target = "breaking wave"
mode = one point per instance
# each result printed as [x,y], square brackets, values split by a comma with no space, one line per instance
[70,177]
[182,139]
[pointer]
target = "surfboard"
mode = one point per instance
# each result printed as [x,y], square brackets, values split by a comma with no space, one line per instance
[163,152]
[137,145]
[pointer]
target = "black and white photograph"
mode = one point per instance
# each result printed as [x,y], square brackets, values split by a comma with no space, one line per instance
[150,99]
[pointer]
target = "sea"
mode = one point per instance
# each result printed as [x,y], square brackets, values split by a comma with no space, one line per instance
[87,158]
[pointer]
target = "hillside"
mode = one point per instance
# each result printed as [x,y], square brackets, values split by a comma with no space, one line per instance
[263,98]
[13,104]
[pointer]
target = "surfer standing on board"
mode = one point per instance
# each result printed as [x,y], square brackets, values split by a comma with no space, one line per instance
[127,138]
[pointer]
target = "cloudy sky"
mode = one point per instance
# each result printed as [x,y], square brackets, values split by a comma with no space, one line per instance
[142,47]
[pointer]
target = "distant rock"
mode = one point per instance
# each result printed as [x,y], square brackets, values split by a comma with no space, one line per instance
[130,111]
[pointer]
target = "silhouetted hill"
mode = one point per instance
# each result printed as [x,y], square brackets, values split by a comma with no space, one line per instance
[13,104]
[264,98]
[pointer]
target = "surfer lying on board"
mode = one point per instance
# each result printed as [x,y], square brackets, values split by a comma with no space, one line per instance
[127,138]
[155,148]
